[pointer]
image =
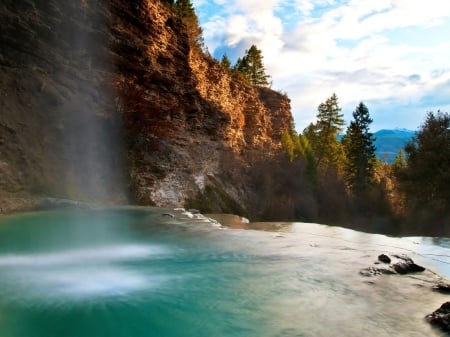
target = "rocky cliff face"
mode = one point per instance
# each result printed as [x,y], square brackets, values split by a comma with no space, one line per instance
[106,100]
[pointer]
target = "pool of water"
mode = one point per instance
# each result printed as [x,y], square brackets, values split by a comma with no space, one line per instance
[135,272]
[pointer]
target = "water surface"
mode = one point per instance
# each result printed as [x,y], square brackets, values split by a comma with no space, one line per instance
[145,272]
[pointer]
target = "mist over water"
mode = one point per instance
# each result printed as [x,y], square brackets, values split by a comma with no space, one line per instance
[138,272]
[88,137]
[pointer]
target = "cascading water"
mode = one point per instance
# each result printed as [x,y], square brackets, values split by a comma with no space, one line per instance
[155,272]
[88,138]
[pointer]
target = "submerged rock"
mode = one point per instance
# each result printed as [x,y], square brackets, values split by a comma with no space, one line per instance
[441,317]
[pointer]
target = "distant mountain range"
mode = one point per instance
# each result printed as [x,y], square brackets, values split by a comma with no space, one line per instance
[389,142]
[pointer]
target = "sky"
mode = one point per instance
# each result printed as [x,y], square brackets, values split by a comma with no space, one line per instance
[393,55]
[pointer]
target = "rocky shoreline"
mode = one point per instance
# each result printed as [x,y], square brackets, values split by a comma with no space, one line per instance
[17,202]
[403,265]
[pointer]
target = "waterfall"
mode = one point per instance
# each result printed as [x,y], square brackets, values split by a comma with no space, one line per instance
[88,140]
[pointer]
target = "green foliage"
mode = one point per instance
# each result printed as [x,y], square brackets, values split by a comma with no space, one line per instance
[225,62]
[251,66]
[307,153]
[281,191]
[185,10]
[288,145]
[298,147]
[360,150]
[426,178]
[322,136]
[399,161]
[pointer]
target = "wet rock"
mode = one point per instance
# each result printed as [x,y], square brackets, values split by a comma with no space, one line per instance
[407,267]
[403,257]
[442,287]
[374,271]
[384,258]
[441,317]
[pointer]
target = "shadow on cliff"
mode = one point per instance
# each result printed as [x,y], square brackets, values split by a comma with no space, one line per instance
[60,131]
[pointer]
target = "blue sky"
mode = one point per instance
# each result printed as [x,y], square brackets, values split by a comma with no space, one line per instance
[394,55]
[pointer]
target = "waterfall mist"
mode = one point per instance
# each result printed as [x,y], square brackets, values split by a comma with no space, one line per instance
[89,133]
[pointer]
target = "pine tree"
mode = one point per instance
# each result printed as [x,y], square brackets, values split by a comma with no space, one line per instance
[399,161]
[225,62]
[185,10]
[360,150]
[257,72]
[426,178]
[251,66]
[241,66]
[288,145]
[323,135]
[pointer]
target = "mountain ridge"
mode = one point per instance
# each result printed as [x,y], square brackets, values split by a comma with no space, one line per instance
[389,141]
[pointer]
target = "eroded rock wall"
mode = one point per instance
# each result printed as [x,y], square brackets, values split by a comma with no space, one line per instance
[159,120]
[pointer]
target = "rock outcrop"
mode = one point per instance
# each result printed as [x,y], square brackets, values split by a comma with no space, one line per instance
[108,101]
[441,317]
[403,265]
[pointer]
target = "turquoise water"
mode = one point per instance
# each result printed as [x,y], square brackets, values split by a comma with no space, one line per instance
[140,272]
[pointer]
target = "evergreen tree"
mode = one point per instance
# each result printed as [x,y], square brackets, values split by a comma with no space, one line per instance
[256,68]
[252,68]
[307,153]
[399,161]
[426,178]
[185,10]
[288,145]
[359,149]
[241,67]
[323,136]
[225,62]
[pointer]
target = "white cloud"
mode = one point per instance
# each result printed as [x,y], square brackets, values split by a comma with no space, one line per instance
[361,49]
[255,6]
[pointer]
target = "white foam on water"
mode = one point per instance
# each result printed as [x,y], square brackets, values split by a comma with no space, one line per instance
[87,255]
[92,281]
[79,274]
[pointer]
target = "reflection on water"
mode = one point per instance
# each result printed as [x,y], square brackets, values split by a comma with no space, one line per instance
[153,272]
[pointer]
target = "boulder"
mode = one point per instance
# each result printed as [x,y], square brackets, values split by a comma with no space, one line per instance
[407,267]
[384,258]
[403,265]
[442,287]
[441,317]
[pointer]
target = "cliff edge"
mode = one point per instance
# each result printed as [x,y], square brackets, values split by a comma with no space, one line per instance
[107,101]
